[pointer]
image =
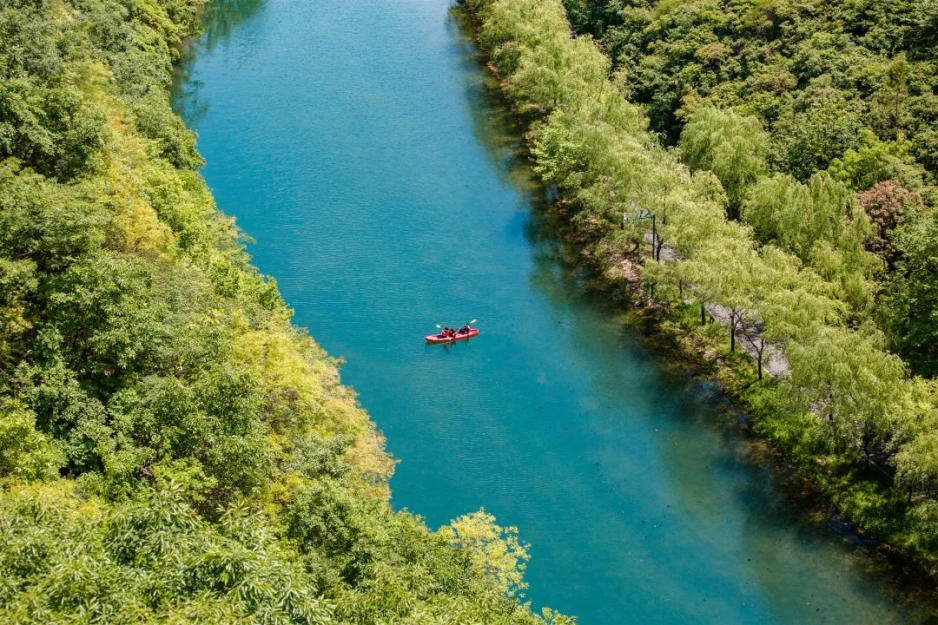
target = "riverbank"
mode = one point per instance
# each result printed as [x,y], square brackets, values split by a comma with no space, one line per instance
[754,412]
[854,487]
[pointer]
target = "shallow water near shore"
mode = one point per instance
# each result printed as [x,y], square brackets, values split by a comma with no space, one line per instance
[359,143]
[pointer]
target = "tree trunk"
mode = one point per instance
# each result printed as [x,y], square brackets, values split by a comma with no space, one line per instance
[761,353]
[732,333]
[703,314]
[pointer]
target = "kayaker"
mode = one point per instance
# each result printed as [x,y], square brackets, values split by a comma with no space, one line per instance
[465,329]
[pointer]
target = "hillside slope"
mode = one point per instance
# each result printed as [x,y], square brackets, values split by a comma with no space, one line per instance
[172,449]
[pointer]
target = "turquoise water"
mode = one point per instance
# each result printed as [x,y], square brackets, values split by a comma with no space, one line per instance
[357,142]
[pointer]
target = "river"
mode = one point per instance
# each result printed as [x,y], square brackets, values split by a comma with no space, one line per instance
[360,144]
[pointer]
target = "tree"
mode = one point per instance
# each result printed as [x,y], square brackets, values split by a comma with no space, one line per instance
[912,296]
[822,224]
[784,301]
[722,274]
[818,128]
[890,103]
[495,549]
[732,146]
[886,204]
[877,161]
[916,441]
[547,79]
[25,453]
[795,216]
[853,385]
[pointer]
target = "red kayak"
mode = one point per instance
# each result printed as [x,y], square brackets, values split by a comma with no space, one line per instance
[440,338]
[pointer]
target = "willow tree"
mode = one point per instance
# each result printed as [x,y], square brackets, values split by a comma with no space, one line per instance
[787,303]
[732,146]
[796,216]
[556,74]
[822,224]
[722,274]
[855,387]
[917,440]
[912,296]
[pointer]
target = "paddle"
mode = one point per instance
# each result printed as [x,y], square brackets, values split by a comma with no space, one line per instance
[439,327]
[470,323]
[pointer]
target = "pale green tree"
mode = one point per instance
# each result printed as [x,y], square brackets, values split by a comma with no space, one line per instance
[795,216]
[854,386]
[822,224]
[497,550]
[732,146]
[787,302]
[722,274]
[916,441]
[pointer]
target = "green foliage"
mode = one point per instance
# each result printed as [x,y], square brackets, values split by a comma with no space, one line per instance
[807,139]
[875,161]
[495,549]
[797,216]
[852,385]
[821,76]
[24,453]
[917,460]
[912,294]
[732,146]
[156,120]
[45,118]
[149,560]
[822,224]
[172,450]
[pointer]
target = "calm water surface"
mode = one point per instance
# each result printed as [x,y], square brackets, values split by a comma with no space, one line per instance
[356,141]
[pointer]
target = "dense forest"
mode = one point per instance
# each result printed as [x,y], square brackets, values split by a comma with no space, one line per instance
[787,150]
[172,449]
[805,86]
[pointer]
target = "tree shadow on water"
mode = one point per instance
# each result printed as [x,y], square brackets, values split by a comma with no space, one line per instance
[220,19]
[495,126]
